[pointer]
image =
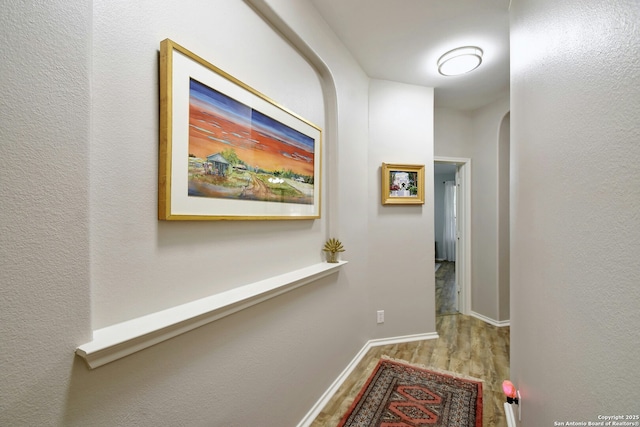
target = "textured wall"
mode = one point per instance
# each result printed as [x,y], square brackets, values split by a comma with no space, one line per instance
[44,245]
[475,135]
[56,171]
[401,131]
[484,207]
[168,263]
[504,239]
[453,135]
[81,246]
[576,196]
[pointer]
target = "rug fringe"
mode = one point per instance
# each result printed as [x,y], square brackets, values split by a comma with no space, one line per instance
[437,370]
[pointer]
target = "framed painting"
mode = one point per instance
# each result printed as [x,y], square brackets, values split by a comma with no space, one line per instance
[402,184]
[228,152]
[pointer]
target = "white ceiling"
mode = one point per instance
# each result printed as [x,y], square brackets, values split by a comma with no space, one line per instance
[401,40]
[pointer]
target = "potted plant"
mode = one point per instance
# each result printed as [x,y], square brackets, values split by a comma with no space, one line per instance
[332,247]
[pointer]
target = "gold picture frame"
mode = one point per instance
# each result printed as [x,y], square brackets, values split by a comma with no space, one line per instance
[228,152]
[402,184]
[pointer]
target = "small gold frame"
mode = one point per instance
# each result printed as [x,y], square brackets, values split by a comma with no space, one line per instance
[402,184]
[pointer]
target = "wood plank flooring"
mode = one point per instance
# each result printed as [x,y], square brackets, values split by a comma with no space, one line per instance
[466,345]
[446,291]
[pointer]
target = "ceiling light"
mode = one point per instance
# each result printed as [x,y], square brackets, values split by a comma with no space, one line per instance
[460,61]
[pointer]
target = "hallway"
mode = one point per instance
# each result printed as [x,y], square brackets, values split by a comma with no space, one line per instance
[466,346]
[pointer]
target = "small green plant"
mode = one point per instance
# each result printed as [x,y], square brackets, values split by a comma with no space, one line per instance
[332,247]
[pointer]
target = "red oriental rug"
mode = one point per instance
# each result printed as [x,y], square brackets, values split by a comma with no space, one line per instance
[401,395]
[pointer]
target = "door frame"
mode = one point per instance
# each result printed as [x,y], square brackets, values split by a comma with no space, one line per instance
[463,246]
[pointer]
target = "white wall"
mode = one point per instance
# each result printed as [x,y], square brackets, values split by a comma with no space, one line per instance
[575,323]
[44,214]
[167,263]
[484,204]
[82,247]
[401,237]
[453,135]
[504,238]
[475,134]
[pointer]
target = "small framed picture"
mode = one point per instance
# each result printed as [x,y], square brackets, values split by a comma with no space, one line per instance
[402,184]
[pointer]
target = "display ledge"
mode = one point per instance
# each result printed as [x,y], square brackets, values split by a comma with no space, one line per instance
[122,339]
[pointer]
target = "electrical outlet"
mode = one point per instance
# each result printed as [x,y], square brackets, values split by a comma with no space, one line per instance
[380,316]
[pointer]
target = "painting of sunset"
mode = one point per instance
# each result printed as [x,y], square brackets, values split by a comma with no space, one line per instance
[237,152]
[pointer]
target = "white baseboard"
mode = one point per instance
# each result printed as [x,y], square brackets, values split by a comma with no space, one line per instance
[498,323]
[398,340]
[327,395]
[508,411]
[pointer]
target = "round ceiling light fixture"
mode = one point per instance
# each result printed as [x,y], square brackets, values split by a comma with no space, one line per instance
[460,60]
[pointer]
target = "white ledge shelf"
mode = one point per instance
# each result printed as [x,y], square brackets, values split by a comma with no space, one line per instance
[122,339]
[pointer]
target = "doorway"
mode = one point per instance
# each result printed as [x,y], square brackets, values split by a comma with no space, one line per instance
[452,200]
[445,233]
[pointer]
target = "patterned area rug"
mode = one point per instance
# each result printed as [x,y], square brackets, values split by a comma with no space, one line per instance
[402,395]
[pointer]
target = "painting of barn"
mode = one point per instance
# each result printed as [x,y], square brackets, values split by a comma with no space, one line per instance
[218,165]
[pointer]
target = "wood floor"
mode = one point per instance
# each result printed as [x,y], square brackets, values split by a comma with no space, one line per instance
[466,345]
[446,291]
